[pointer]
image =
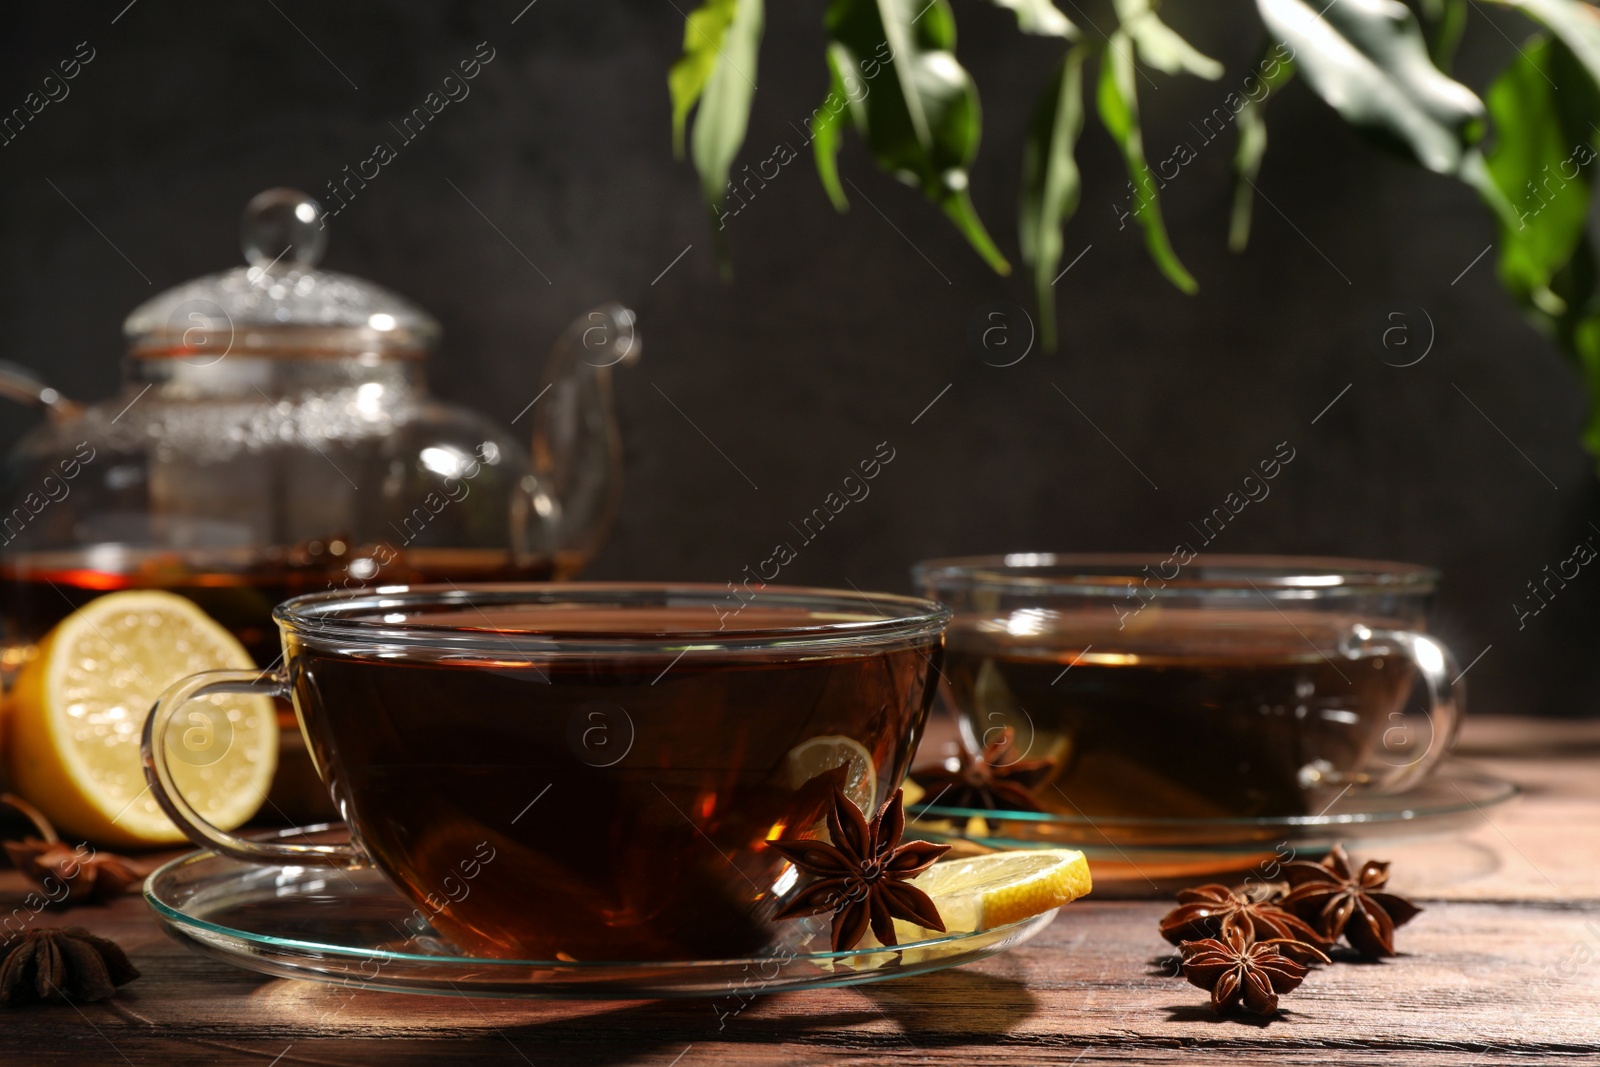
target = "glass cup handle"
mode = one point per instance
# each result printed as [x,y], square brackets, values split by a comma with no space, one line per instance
[1446,698]
[153,751]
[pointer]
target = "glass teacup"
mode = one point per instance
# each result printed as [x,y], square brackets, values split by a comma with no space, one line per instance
[1223,686]
[585,771]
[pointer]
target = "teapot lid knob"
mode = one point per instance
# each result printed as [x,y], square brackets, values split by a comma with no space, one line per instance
[282,227]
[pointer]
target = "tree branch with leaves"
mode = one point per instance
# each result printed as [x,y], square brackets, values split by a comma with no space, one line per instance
[1527,146]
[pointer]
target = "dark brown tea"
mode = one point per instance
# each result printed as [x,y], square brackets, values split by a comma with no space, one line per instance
[1186,714]
[602,807]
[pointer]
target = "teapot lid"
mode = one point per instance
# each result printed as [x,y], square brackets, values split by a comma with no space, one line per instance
[281,304]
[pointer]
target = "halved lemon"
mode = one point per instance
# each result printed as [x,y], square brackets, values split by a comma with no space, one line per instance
[78,709]
[826,752]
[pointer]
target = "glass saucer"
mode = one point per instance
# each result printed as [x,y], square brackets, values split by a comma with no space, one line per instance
[347,927]
[1454,798]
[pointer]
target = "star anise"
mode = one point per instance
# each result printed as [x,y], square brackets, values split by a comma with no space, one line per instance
[1215,911]
[861,877]
[1240,974]
[67,962]
[1338,901]
[67,875]
[991,781]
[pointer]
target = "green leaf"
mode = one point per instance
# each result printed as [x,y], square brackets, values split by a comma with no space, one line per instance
[1543,164]
[1119,113]
[917,108]
[1040,17]
[1580,333]
[1539,178]
[703,31]
[827,130]
[1051,183]
[1576,24]
[1159,44]
[1368,60]
[959,210]
[1577,330]
[1274,71]
[1446,19]
[718,70]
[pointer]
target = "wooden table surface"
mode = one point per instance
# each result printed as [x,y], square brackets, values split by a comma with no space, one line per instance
[1502,967]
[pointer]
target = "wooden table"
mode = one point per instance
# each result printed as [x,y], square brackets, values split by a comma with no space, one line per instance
[1502,967]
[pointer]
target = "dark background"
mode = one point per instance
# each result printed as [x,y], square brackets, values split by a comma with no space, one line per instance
[837,330]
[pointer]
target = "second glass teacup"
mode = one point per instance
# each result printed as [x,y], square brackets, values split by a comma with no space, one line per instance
[1227,686]
[584,771]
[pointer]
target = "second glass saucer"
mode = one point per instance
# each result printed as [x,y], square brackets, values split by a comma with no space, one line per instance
[1149,853]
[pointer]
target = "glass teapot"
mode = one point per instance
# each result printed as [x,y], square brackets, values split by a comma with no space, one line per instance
[274,435]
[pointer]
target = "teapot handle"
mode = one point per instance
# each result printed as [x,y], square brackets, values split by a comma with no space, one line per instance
[20,384]
[577,449]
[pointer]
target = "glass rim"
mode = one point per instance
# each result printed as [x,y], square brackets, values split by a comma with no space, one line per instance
[1087,573]
[884,617]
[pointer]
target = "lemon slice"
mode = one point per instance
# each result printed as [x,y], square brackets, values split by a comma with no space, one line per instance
[78,709]
[818,755]
[983,892]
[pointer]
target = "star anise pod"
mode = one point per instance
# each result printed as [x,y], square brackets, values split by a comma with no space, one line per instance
[1339,901]
[991,781]
[1215,911]
[1240,974]
[67,875]
[861,877]
[67,962]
